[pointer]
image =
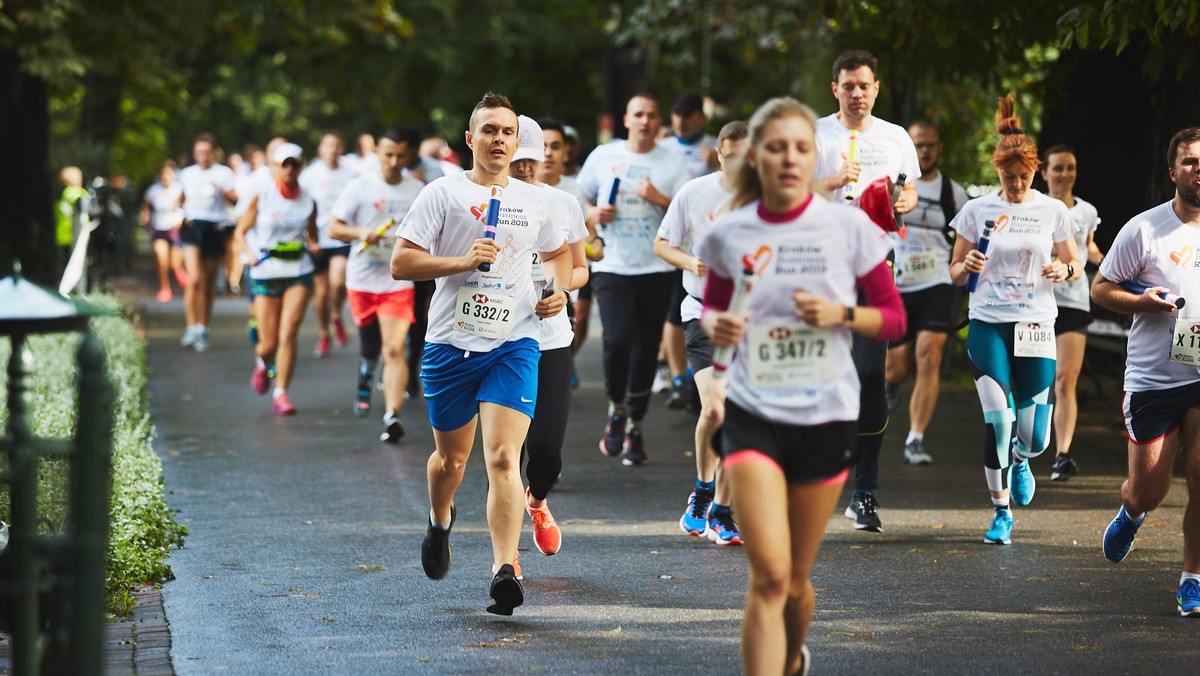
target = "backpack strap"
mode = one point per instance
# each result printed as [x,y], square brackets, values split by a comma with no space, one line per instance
[949,208]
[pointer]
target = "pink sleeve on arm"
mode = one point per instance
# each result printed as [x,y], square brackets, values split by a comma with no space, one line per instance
[718,292]
[882,294]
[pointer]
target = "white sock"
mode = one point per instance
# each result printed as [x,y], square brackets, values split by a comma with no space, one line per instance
[1000,503]
[278,391]
[259,362]
[1189,576]
[1132,516]
[913,435]
[434,521]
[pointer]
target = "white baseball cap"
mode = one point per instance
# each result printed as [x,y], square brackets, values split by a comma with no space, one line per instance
[285,152]
[532,143]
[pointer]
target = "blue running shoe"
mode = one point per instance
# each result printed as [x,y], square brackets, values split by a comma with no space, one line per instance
[1020,480]
[1001,531]
[695,520]
[1118,537]
[1188,598]
[722,530]
[252,331]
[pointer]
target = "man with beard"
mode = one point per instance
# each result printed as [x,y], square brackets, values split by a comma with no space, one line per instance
[1157,250]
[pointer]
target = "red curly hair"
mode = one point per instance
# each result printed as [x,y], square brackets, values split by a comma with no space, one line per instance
[1014,146]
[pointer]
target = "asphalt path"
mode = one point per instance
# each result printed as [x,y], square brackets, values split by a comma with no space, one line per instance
[303,552]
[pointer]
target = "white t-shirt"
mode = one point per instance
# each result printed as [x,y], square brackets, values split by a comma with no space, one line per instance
[923,256]
[1077,294]
[565,213]
[282,221]
[692,212]
[690,152]
[629,238]
[885,149]
[824,251]
[368,164]
[446,219]
[203,192]
[570,185]
[165,214]
[1155,248]
[369,201]
[1011,287]
[325,185]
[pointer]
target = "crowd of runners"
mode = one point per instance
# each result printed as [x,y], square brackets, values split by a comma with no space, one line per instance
[786,277]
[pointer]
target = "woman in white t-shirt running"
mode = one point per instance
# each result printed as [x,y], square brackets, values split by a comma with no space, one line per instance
[793,394]
[1074,306]
[162,215]
[1011,339]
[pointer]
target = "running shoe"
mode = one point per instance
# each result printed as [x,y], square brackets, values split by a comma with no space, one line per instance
[892,392]
[322,349]
[546,535]
[201,342]
[259,380]
[506,592]
[435,548]
[695,519]
[1001,531]
[283,405]
[393,429]
[516,564]
[662,379]
[1188,598]
[164,295]
[805,661]
[862,511]
[614,435]
[189,337]
[252,331]
[1064,468]
[679,398]
[339,332]
[574,379]
[1118,537]
[362,400]
[181,278]
[1021,481]
[722,530]
[915,455]
[634,451]
[271,371]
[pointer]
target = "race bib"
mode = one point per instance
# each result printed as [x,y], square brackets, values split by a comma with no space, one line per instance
[381,250]
[791,356]
[1034,339]
[1185,342]
[918,267]
[539,271]
[484,313]
[274,268]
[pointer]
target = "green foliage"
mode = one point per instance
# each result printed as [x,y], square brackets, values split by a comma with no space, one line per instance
[142,527]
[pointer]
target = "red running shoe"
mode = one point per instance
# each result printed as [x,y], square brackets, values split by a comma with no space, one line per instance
[283,405]
[259,380]
[322,350]
[546,536]
[339,332]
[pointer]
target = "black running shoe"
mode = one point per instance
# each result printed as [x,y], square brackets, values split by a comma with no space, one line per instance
[862,510]
[614,434]
[435,549]
[393,429]
[1064,468]
[362,401]
[634,452]
[506,592]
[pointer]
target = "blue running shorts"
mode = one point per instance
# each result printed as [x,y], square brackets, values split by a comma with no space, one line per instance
[457,380]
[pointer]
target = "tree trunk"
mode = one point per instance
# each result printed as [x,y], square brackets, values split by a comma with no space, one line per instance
[26,208]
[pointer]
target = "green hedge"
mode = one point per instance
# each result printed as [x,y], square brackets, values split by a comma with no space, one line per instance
[142,528]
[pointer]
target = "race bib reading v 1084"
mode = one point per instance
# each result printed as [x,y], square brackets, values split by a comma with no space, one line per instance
[1034,339]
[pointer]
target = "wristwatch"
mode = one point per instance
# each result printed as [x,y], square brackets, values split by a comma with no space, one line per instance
[1070,272]
[849,315]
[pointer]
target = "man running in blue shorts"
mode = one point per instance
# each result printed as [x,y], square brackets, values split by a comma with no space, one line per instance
[481,352]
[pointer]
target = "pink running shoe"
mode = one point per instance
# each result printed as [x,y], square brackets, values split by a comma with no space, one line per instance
[322,350]
[339,332]
[260,380]
[164,295]
[283,405]
[181,278]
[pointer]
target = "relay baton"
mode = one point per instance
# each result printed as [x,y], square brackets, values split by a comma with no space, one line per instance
[489,222]
[897,191]
[853,157]
[1139,288]
[737,306]
[973,277]
[362,246]
[612,193]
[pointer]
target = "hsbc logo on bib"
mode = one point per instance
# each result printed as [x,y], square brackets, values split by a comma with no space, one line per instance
[780,333]
[479,298]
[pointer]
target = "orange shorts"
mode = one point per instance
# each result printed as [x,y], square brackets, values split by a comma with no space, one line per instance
[365,306]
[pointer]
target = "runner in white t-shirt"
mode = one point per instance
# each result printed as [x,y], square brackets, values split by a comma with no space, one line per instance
[1160,250]
[923,277]
[1074,307]
[162,215]
[481,353]
[697,149]
[543,444]
[793,399]
[207,190]
[843,169]
[367,213]
[688,219]
[1010,342]
[633,181]
[284,218]
[325,180]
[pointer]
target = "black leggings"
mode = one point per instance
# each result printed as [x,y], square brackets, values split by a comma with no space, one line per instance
[632,310]
[870,357]
[544,442]
[422,293]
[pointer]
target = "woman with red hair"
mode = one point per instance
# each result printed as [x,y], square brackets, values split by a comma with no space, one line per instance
[1011,343]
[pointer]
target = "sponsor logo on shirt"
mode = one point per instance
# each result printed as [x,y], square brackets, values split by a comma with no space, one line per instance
[759,261]
[1001,224]
[1182,257]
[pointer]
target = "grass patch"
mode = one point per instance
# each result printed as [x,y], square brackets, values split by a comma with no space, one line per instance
[142,529]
